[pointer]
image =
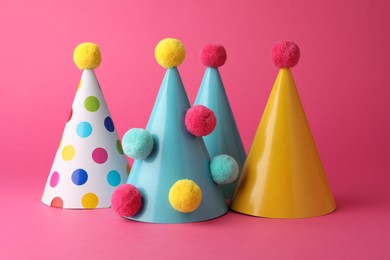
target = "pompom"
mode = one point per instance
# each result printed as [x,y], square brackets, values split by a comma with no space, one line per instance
[213,55]
[87,56]
[126,200]
[285,54]
[137,143]
[185,196]
[169,53]
[200,120]
[224,169]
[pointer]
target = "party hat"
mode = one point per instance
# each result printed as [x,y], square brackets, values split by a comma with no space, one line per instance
[172,180]
[89,163]
[283,176]
[225,138]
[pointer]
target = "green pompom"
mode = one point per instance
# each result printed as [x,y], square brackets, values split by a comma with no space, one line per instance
[224,169]
[137,143]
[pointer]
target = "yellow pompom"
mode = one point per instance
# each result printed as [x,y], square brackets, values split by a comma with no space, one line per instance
[169,53]
[87,56]
[185,196]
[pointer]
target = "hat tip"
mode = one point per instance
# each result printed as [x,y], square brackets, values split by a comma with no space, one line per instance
[87,56]
[213,55]
[169,53]
[285,54]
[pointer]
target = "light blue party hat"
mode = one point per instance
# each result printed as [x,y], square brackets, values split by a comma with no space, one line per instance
[174,177]
[225,139]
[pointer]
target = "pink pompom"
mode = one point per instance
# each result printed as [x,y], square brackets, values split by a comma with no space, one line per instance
[126,200]
[285,54]
[200,120]
[213,55]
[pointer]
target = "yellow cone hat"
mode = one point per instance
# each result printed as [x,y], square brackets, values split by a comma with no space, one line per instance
[283,176]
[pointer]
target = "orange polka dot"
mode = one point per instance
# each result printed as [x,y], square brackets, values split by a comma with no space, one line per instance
[57,203]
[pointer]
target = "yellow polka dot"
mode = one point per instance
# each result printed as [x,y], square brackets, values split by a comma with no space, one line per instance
[68,153]
[80,83]
[185,196]
[60,143]
[90,200]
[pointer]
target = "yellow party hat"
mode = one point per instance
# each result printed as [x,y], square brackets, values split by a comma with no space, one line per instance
[283,176]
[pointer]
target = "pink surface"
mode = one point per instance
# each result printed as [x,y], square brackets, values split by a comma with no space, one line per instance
[342,78]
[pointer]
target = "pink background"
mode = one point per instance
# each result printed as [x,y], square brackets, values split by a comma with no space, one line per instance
[342,78]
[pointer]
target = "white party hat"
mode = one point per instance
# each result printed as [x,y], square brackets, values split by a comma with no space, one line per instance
[89,163]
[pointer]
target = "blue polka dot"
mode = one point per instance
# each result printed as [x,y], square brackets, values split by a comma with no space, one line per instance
[84,129]
[109,124]
[113,178]
[79,177]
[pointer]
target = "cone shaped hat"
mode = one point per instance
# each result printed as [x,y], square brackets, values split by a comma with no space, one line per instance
[89,163]
[177,155]
[283,176]
[225,139]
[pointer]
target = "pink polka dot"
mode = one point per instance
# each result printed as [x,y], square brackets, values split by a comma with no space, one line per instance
[99,155]
[54,179]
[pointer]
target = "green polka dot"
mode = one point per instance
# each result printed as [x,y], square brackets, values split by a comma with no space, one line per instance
[91,104]
[119,147]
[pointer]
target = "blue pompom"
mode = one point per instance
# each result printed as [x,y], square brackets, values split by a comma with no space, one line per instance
[224,169]
[137,143]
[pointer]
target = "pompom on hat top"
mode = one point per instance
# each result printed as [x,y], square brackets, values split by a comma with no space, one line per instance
[87,56]
[169,53]
[213,55]
[285,54]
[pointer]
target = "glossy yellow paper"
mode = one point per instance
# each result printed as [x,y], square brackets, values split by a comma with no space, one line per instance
[283,176]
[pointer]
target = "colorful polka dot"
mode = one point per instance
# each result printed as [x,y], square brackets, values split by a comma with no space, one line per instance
[68,152]
[70,115]
[54,179]
[109,124]
[80,84]
[91,104]
[60,143]
[113,178]
[89,200]
[119,147]
[57,202]
[84,129]
[99,155]
[128,169]
[79,177]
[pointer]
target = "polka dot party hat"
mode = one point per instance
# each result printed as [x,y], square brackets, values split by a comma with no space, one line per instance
[173,179]
[89,163]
